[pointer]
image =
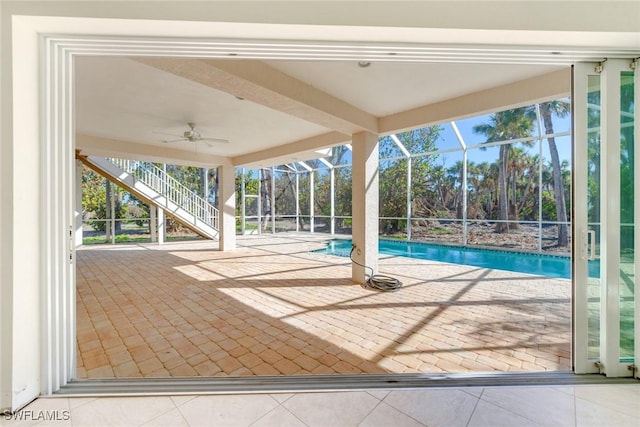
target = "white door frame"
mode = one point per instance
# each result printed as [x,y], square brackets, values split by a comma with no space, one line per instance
[581,249]
[608,361]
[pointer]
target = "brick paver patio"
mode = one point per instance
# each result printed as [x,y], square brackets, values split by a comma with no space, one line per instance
[273,308]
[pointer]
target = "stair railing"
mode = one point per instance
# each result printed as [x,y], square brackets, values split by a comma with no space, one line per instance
[172,189]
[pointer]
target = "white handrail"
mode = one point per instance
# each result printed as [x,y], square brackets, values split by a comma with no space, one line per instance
[172,189]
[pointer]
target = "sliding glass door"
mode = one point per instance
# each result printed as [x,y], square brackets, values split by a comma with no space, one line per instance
[607,208]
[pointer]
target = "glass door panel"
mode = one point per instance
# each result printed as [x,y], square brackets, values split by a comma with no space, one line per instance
[627,224]
[607,201]
[594,113]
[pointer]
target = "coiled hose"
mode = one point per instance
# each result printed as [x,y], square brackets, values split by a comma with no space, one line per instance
[377,282]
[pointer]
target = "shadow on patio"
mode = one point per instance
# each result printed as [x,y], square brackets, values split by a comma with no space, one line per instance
[273,308]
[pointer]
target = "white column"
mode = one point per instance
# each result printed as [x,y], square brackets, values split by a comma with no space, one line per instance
[227,189]
[113,215]
[107,210]
[260,201]
[205,183]
[409,203]
[312,188]
[297,201]
[365,204]
[273,200]
[465,196]
[332,189]
[243,202]
[153,223]
[78,204]
[162,226]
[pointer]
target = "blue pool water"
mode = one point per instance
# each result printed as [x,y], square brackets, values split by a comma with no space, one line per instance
[538,264]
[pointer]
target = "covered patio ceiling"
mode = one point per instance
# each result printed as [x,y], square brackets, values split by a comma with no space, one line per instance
[280,111]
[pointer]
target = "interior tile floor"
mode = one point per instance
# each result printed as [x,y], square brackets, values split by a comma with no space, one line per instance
[272,307]
[570,406]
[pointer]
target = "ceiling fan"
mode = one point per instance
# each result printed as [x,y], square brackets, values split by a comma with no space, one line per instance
[192,135]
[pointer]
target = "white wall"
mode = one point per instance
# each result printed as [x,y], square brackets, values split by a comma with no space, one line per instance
[509,15]
[20,222]
[5,288]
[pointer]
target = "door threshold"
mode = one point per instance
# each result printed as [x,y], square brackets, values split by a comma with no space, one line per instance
[323,383]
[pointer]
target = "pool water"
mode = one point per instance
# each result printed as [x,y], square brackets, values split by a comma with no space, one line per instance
[521,262]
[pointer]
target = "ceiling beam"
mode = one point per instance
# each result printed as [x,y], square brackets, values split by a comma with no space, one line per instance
[257,82]
[304,149]
[105,147]
[546,87]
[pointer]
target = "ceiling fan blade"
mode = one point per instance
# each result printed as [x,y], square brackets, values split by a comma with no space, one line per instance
[216,140]
[165,133]
[174,140]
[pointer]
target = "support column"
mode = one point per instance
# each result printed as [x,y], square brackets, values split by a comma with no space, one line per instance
[108,229]
[205,183]
[243,198]
[312,188]
[153,223]
[297,201]
[332,189]
[365,204]
[78,205]
[260,174]
[273,200]
[162,226]
[227,206]
[409,201]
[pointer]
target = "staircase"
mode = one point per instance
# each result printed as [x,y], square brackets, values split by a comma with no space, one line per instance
[154,186]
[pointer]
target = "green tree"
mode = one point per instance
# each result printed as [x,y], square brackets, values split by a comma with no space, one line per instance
[341,159]
[285,191]
[393,175]
[94,200]
[250,188]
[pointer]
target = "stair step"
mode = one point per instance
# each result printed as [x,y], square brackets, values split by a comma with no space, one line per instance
[154,186]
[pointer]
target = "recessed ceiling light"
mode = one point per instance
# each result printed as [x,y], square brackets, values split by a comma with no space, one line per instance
[240,98]
[363,64]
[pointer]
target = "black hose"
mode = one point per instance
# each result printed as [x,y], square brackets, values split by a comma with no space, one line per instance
[377,282]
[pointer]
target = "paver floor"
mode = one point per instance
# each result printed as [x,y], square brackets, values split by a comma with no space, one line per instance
[273,308]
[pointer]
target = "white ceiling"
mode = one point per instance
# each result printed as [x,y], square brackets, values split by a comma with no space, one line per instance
[123,99]
[385,88]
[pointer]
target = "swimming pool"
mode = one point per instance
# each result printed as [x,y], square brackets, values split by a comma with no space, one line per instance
[538,264]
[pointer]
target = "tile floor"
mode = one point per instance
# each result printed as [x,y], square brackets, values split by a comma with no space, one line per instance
[273,308]
[571,406]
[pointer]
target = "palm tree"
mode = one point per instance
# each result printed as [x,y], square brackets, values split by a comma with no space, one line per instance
[488,184]
[524,171]
[505,126]
[547,110]
[455,179]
